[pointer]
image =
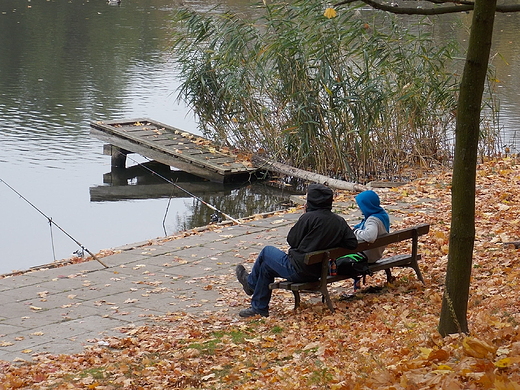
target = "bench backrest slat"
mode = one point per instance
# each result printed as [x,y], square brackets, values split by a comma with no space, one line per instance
[384,240]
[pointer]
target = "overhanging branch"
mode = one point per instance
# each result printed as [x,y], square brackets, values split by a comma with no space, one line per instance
[460,6]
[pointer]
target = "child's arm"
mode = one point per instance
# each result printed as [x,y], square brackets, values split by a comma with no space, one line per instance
[370,232]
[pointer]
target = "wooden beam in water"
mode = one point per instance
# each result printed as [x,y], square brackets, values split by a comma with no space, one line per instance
[153,191]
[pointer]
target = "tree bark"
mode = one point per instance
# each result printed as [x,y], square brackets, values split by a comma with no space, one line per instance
[453,317]
[262,162]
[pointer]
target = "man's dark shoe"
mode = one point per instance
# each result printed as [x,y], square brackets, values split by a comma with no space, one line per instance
[242,278]
[251,313]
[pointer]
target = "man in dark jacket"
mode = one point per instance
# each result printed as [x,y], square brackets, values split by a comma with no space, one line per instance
[318,228]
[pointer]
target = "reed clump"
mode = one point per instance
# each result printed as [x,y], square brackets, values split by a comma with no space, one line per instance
[349,96]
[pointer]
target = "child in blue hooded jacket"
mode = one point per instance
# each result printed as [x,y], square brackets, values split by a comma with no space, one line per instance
[375,223]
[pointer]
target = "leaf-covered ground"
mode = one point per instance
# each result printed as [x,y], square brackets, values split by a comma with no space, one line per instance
[379,340]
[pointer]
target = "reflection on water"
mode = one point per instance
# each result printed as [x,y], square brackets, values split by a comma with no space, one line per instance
[65,63]
[152,180]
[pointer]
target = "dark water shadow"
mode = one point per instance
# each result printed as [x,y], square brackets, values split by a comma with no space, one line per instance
[153,180]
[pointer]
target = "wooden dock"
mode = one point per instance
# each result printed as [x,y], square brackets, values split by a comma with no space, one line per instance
[170,146]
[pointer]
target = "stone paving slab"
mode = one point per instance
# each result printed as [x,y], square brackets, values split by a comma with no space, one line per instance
[60,310]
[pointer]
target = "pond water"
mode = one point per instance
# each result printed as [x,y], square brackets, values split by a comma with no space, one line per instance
[65,63]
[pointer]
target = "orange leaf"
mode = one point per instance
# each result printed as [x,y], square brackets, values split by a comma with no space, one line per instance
[477,348]
[438,355]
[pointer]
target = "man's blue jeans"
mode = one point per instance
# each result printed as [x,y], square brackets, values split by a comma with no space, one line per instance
[270,263]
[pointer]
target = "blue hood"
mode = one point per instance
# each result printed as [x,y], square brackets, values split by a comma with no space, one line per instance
[369,204]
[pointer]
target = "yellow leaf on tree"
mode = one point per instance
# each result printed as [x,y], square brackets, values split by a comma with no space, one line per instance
[330,13]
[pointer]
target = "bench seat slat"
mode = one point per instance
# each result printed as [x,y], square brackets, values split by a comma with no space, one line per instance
[311,286]
[394,261]
[285,285]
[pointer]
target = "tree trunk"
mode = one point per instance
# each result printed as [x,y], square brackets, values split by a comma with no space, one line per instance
[262,162]
[453,317]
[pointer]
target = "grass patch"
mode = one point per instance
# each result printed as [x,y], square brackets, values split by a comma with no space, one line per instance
[96,373]
[219,337]
[277,329]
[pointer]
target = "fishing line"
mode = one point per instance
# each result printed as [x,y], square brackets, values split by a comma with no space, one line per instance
[165,214]
[52,240]
[51,222]
[182,189]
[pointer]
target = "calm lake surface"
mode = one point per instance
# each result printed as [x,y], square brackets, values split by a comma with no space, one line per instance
[65,63]
[62,65]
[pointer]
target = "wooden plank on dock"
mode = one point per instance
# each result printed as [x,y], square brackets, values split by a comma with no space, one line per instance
[172,146]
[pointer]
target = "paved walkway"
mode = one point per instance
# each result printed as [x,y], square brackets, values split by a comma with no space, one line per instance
[60,310]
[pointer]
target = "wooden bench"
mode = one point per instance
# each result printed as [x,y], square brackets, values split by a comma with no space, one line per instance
[409,260]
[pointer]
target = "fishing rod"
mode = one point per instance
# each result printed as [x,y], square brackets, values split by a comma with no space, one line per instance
[182,189]
[51,222]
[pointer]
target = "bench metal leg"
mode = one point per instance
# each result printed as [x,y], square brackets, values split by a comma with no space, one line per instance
[296,299]
[416,256]
[325,295]
[415,266]
[389,277]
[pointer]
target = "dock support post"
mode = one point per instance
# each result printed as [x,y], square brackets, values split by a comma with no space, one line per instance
[118,155]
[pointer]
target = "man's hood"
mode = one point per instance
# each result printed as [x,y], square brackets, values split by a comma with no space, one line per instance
[319,196]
